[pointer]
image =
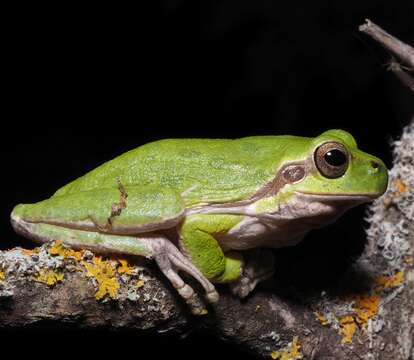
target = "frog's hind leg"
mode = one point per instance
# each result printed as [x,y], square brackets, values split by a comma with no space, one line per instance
[170,259]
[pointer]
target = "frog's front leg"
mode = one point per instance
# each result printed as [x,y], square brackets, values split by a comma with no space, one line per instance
[259,267]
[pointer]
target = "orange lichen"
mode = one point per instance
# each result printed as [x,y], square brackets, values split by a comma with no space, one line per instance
[58,249]
[291,352]
[49,277]
[387,282]
[366,307]
[104,271]
[348,327]
[30,252]
[400,187]
[321,318]
[125,268]
[2,275]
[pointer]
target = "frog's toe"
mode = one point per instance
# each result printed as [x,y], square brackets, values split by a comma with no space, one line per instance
[170,260]
[212,297]
[242,287]
[186,292]
[259,267]
[196,305]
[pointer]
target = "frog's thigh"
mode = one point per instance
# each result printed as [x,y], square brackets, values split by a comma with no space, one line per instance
[125,210]
[198,242]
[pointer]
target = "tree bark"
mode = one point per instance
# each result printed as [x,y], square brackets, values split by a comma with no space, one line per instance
[367,313]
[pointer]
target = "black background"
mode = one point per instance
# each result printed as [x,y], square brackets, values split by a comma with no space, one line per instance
[84,84]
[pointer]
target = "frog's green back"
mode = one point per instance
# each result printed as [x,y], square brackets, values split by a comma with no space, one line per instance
[203,170]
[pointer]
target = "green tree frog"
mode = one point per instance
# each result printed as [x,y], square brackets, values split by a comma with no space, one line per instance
[211,208]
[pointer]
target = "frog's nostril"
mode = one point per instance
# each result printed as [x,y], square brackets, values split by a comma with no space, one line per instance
[375,165]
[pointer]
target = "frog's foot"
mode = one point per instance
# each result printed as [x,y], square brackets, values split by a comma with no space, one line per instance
[169,260]
[259,267]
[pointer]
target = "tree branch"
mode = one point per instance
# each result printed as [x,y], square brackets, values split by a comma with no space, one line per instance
[405,78]
[399,49]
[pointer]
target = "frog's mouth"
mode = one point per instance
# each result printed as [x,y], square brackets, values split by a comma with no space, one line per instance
[343,198]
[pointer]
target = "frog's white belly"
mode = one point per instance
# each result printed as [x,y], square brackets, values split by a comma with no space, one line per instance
[285,227]
[253,232]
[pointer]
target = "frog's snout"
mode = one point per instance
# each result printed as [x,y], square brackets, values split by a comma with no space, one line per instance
[375,164]
[379,175]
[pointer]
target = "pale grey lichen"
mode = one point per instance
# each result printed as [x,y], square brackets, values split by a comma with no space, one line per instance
[385,236]
[273,335]
[17,263]
[391,220]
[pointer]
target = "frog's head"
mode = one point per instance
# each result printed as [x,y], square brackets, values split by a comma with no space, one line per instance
[322,178]
[335,170]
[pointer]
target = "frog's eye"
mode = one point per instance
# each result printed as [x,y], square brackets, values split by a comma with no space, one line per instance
[332,159]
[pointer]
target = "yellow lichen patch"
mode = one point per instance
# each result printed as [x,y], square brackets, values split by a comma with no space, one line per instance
[203,312]
[57,249]
[366,307]
[140,284]
[49,277]
[387,282]
[400,187]
[321,318]
[30,252]
[125,268]
[105,274]
[348,328]
[2,275]
[291,352]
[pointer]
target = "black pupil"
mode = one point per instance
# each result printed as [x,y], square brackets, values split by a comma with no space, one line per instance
[335,157]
